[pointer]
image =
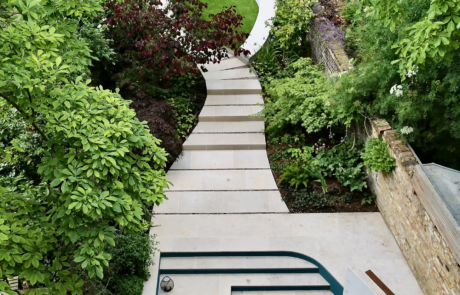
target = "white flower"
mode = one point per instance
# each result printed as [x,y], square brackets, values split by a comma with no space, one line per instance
[99,26]
[406,130]
[412,72]
[397,90]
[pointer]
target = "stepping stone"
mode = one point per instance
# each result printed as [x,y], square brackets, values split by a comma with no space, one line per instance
[225,141]
[230,74]
[249,86]
[226,64]
[222,159]
[206,202]
[242,99]
[221,180]
[231,113]
[230,127]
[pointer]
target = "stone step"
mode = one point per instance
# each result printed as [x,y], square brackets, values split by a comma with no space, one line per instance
[248,86]
[314,292]
[225,141]
[230,127]
[223,65]
[230,113]
[221,284]
[221,180]
[230,74]
[222,202]
[242,99]
[235,262]
[222,159]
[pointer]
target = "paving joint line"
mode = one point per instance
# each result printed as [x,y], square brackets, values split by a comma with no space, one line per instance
[222,169]
[240,190]
[249,132]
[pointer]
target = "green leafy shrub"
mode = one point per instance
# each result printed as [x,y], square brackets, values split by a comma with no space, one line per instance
[344,162]
[128,285]
[100,166]
[291,22]
[297,99]
[377,157]
[132,255]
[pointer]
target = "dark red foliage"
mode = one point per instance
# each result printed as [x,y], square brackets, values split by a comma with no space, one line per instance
[171,40]
[160,119]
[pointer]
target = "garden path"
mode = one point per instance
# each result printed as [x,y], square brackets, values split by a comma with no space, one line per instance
[225,198]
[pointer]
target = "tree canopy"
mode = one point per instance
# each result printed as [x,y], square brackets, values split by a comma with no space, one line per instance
[98,165]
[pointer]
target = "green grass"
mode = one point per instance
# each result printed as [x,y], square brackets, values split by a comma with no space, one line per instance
[247,8]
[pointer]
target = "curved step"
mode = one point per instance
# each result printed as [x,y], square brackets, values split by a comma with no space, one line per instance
[230,127]
[231,113]
[220,202]
[221,180]
[234,99]
[226,141]
[222,284]
[245,86]
[225,64]
[230,74]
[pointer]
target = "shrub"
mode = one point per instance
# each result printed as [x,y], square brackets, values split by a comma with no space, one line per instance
[128,285]
[344,162]
[297,99]
[161,121]
[376,156]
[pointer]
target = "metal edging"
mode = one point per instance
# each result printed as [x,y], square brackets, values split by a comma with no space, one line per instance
[335,287]
[279,288]
[204,271]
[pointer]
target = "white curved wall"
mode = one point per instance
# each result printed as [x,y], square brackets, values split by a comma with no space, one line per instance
[260,31]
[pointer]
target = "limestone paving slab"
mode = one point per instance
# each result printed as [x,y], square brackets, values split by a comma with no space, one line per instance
[340,247]
[220,284]
[230,141]
[236,262]
[231,113]
[221,159]
[242,99]
[222,202]
[230,127]
[221,180]
[223,65]
[229,74]
[246,86]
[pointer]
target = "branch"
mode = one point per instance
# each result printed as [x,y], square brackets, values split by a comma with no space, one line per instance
[43,135]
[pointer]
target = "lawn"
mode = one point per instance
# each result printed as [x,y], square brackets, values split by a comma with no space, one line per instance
[247,8]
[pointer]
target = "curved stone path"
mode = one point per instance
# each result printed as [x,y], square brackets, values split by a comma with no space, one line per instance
[225,198]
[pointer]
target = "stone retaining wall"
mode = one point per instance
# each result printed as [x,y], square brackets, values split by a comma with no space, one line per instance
[399,200]
[400,194]
[331,53]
